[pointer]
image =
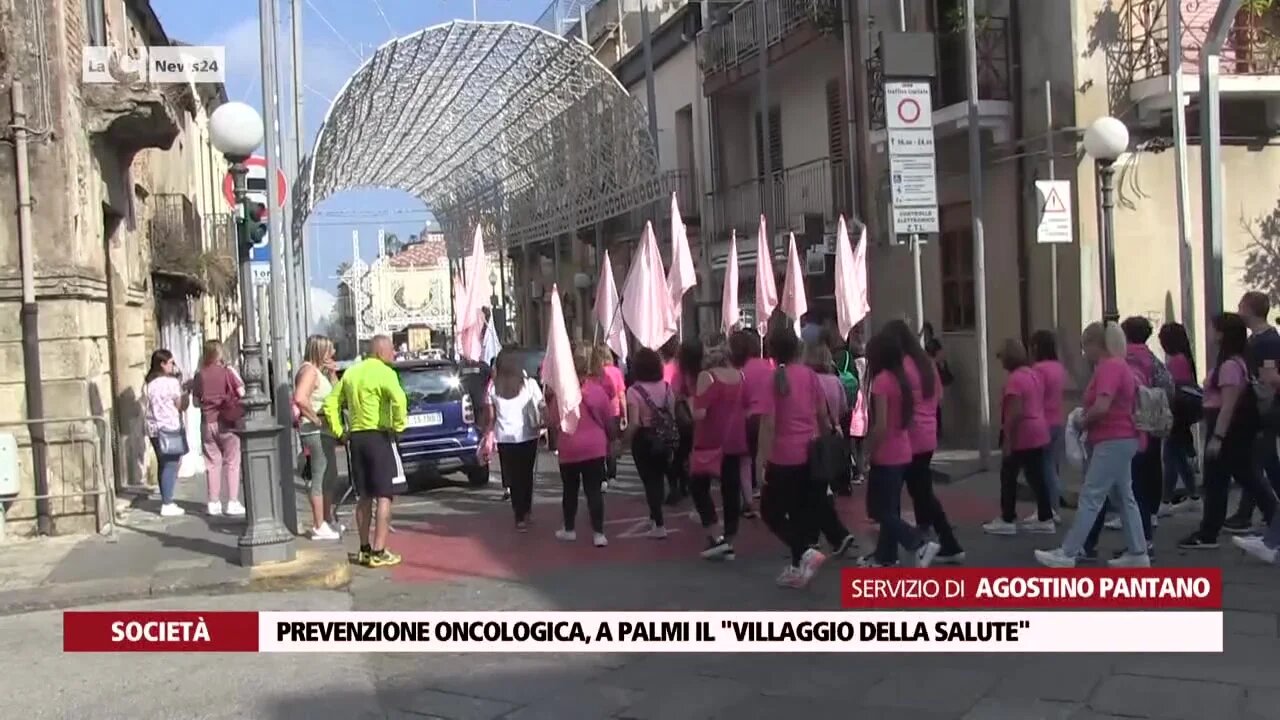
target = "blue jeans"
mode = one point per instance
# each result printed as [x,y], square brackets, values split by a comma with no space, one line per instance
[1177,464]
[1053,465]
[168,472]
[1107,474]
[884,505]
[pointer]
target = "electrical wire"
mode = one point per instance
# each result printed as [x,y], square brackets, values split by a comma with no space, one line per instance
[334,30]
[390,29]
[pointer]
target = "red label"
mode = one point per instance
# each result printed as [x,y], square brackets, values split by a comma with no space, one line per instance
[160,632]
[1047,589]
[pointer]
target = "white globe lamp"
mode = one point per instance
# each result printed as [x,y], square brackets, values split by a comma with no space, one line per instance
[236,130]
[1106,139]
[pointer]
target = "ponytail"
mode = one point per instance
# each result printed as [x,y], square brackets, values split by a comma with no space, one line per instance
[780,385]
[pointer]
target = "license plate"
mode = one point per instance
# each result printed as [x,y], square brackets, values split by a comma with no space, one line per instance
[426,420]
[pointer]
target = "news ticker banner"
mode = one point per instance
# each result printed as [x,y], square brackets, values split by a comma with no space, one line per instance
[925,611]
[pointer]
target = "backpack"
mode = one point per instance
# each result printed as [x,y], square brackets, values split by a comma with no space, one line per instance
[664,427]
[849,379]
[1151,413]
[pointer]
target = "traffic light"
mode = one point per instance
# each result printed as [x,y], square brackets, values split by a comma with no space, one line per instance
[255,220]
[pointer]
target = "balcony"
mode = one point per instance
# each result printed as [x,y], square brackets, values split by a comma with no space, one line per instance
[817,188]
[1250,59]
[683,184]
[181,261]
[730,44]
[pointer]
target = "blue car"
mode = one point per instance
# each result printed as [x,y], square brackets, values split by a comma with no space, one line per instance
[442,435]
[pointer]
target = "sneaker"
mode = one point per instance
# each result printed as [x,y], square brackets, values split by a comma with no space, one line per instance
[1039,527]
[656,532]
[1254,546]
[1189,505]
[235,509]
[171,510]
[749,513]
[1035,517]
[324,532]
[506,494]
[810,563]
[1238,526]
[214,509]
[359,558]
[599,540]
[604,486]
[1087,556]
[926,554]
[1151,552]
[845,547]
[717,549]
[953,557]
[522,527]
[791,577]
[1195,541]
[1155,520]
[566,535]
[1000,527]
[383,559]
[1055,558]
[1114,523]
[870,562]
[1167,509]
[1130,560]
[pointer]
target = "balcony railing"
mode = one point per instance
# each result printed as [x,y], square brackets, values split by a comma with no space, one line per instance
[732,41]
[1252,47]
[196,251]
[681,182]
[952,84]
[820,187]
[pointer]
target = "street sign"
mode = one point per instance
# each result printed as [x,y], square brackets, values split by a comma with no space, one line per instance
[914,180]
[261,273]
[908,106]
[1055,211]
[911,143]
[915,220]
[257,182]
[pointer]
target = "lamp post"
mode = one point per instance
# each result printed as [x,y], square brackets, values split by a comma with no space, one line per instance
[236,131]
[1105,140]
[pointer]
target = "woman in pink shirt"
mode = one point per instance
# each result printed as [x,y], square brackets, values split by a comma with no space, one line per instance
[792,423]
[1179,450]
[1024,439]
[1053,381]
[609,376]
[926,397]
[650,426]
[582,453]
[1112,441]
[719,442]
[892,410]
[757,400]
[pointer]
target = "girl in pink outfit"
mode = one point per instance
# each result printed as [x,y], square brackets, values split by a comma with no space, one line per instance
[1025,438]
[826,521]
[609,376]
[719,442]
[756,400]
[216,386]
[744,347]
[583,452]
[859,424]
[650,405]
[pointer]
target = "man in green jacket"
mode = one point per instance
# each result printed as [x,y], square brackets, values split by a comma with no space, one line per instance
[377,412]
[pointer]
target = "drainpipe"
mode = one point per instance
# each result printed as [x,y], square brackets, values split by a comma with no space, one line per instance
[30,315]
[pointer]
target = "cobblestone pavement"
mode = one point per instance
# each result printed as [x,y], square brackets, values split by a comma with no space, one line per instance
[461,553]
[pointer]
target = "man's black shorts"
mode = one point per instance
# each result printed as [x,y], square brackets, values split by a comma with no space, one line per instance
[373,461]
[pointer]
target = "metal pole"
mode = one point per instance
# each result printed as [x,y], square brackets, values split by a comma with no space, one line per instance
[979,241]
[1210,163]
[1053,247]
[357,290]
[651,100]
[916,272]
[33,376]
[292,303]
[299,151]
[850,90]
[766,156]
[862,152]
[1110,307]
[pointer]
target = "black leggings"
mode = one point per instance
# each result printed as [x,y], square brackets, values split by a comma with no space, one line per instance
[928,509]
[678,473]
[1031,462]
[786,504]
[1237,458]
[652,465]
[589,474]
[730,495]
[753,447]
[518,461]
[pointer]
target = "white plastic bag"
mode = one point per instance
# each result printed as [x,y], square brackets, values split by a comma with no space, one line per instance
[1077,454]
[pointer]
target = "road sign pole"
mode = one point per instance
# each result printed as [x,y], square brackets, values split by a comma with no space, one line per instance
[1053,249]
[979,240]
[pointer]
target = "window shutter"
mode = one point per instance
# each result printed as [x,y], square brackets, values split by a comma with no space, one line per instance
[835,121]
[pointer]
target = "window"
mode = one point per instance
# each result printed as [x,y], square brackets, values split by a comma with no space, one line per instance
[955,243]
[95,22]
[775,142]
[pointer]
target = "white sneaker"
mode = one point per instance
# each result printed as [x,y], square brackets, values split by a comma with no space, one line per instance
[324,532]
[657,532]
[791,577]
[566,535]
[1114,523]
[926,554]
[599,540]
[235,509]
[1167,509]
[604,486]
[1255,547]
[1129,560]
[810,563]
[1000,527]
[1039,527]
[1190,505]
[1055,558]
[171,510]
[215,509]
[1155,520]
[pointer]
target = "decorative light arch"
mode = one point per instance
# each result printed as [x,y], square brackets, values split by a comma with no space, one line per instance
[500,124]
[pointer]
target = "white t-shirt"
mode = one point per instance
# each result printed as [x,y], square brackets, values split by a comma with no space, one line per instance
[513,417]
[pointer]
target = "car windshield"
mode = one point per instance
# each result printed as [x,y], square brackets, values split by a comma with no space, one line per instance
[431,385]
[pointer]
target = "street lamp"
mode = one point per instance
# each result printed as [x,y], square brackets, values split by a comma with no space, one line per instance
[236,131]
[1105,140]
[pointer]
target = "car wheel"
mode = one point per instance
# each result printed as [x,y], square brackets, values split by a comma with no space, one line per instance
[478,476]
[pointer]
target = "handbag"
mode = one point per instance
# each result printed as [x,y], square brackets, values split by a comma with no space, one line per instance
[533,419]
[172,443]
[231,409]
[829,454]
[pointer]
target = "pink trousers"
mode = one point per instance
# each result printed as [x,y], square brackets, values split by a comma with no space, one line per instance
[221,462]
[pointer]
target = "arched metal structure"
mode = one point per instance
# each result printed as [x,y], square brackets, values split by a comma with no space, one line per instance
[501,124]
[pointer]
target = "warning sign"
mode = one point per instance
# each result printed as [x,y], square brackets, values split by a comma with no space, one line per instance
[1055,211]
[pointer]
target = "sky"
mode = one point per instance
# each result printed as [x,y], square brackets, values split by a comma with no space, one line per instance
[338,35]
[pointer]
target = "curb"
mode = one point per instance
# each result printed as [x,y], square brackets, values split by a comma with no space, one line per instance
[312,570]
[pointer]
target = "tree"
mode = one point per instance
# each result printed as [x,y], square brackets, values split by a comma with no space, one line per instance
[393,244]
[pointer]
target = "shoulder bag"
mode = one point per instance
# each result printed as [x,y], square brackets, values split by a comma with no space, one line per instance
[231,408]
[829,452]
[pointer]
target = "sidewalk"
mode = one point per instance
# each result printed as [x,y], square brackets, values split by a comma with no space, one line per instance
[154,556]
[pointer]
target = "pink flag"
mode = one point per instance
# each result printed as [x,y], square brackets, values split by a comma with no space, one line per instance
[646,297]
[729,313]
[558,373]
[851,280]
[476,298]
[682,276]
[459,299]
[766,288]
[609,311]
[794,303]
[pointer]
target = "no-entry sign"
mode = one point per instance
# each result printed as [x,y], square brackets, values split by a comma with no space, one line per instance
[257,180]
[907,106]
